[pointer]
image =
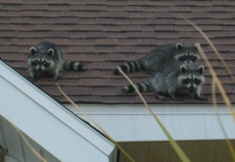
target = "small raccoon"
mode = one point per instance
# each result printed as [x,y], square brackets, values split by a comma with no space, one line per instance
[159,56]
[174,80]
[46,58]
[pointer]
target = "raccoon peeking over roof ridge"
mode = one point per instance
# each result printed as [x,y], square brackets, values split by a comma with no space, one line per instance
[172,80]
[46,58]
[160,55]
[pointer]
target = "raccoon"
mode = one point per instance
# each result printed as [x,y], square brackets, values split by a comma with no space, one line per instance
[46,58]
[174,79]
[159,56]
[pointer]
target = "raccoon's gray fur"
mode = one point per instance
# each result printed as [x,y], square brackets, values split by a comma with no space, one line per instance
[174,79]
[46,58]
[159,56]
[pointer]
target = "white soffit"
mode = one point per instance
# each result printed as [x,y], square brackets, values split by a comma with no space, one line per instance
[133,122]
[47,122]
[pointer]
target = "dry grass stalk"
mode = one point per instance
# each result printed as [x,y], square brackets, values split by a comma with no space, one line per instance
[23,137]
[175,146]
[212,72]
[230,146]
[217,82]
[101,129]
[211,44]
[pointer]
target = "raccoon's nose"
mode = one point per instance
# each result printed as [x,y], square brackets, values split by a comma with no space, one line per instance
[39,69]
[188,61]
[191,87]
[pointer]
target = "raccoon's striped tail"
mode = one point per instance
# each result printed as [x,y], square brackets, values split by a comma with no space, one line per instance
[129,67]
[142,87]
[74,65]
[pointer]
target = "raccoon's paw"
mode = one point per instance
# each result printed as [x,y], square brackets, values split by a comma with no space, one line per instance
[32,80]
[160,97]
[150,72]
[200,98]
[56,77]
[53,79]
[59,77]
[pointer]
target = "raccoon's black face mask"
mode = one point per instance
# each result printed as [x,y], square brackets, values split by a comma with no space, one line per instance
[188,58]
[41,59]
[191,83]
[188,53]
[194,79]
[40,65]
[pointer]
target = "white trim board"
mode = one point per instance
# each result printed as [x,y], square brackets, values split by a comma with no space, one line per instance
[47,122]
[133,122]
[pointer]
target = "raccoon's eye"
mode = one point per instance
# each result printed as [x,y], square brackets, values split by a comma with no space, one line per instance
[35,63]
[46,64]
[197,81]
[186,81]
[193,59]
[183,58]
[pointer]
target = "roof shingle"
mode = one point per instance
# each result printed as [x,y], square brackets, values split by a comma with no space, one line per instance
[104,34]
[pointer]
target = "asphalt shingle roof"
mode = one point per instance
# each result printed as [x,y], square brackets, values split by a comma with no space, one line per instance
[104,34]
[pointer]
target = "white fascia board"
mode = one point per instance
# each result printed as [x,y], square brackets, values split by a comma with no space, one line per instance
[133,122]
[10,159]
[47,122]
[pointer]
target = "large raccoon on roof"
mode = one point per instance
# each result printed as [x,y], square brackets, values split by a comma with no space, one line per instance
[174,79]
[47,58]
[159,56]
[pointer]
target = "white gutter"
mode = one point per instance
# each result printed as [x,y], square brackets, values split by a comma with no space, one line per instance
[133,122]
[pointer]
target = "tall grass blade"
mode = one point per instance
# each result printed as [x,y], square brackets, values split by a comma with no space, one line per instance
[216,79]
[175,146]
[230,146]
[101,129]
[211,44]
[23,137]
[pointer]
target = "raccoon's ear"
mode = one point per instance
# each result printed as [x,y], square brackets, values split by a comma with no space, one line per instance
[50,52]
[33,50]
[200,69]
[183,69]
[179,46]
